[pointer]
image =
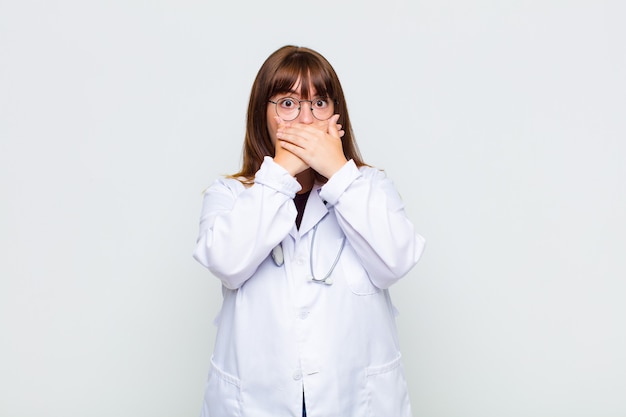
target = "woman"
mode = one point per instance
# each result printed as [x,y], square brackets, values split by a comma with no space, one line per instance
[306,240]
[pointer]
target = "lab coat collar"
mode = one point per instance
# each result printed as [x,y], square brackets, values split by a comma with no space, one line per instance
[314,211]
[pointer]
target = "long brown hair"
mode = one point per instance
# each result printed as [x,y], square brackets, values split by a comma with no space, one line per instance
[279,74]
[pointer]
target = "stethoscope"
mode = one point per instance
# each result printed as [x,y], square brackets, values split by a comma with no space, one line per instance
[279,259]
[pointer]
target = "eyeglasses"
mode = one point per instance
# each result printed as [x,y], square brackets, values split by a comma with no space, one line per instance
[288,108]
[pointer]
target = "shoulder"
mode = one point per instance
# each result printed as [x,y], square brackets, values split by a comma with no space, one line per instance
[371,172]
[226,184]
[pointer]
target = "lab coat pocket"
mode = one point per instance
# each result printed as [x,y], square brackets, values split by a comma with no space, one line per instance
[222,397]
[356,276]
[387,390]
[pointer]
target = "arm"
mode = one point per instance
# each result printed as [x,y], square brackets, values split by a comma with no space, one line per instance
[371,214]
[239,228]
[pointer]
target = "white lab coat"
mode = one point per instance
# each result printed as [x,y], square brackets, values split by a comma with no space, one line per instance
[279,333]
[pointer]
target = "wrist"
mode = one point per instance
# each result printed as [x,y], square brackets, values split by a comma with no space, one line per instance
[335,167]
[290,164]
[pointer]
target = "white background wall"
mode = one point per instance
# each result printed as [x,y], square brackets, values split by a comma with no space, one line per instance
[501,122]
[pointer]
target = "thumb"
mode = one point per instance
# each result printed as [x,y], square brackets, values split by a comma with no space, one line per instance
[333,129]
[280,122]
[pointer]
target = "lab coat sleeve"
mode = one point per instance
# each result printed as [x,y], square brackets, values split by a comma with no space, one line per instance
[371,214]
[240,226]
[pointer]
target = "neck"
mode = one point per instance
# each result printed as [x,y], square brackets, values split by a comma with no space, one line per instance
[306,179]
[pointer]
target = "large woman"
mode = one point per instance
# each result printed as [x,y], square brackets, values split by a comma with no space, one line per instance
[306,240]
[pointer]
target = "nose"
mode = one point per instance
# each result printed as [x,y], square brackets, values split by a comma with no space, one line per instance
[306,112]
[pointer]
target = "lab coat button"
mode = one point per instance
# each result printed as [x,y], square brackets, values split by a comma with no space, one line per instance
[297,375]
[300,261]
[303,315]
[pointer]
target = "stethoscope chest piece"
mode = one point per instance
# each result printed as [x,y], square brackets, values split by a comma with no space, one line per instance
[278,255]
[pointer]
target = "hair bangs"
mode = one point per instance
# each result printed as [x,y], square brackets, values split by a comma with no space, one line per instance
[302,72]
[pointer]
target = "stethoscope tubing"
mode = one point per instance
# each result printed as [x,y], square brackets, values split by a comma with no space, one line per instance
[326,280]
[278,257]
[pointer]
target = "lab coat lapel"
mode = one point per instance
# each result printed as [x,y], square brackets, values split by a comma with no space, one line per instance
[314,211]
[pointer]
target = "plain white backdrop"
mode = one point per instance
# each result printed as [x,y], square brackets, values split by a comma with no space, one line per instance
[501,123]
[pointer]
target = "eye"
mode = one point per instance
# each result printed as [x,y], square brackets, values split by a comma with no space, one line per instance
[320,103]
[288,103]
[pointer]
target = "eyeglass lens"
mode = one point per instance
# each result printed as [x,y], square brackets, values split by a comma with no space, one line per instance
[288,108]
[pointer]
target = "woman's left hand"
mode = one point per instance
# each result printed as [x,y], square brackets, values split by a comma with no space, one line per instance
[321,149]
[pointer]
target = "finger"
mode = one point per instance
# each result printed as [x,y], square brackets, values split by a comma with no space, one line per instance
[288,146]
[299,133]
[281,123]
[340,131]
[333,130]
[287,135]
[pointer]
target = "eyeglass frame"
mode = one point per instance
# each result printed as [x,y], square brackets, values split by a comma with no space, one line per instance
[275,103]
